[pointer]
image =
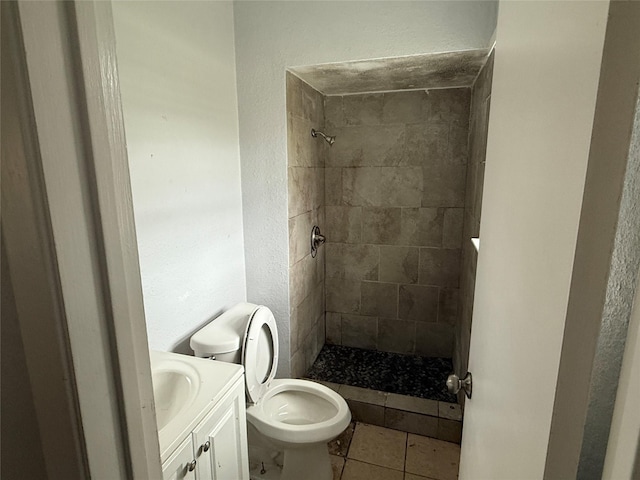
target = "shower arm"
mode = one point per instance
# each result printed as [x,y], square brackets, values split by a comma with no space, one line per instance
[315,133]
[328,138]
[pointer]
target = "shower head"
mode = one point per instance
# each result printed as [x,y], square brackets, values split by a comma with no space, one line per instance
[329,139]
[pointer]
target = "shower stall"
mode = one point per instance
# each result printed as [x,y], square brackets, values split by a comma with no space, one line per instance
[386,303]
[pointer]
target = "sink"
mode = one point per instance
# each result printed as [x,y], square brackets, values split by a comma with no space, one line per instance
[175,387]
[184,388]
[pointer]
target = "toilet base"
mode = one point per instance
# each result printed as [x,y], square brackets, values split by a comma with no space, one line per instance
[271,460]
[311,462]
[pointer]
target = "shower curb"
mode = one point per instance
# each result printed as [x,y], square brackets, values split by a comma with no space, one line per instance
[430,418]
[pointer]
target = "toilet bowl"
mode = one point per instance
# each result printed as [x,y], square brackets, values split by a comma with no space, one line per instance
[298,417]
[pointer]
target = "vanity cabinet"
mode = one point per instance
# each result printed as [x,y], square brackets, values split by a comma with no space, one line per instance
[216,449]
[177,466]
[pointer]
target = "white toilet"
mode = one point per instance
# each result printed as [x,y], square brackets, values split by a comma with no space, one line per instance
[297,417]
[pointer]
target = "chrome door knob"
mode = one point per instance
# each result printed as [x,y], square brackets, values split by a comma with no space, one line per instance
[191,466]
[454,384]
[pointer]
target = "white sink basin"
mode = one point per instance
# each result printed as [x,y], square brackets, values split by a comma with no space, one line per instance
[184,387]
[175,387]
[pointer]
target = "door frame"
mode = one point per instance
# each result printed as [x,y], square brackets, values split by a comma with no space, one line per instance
[68,198]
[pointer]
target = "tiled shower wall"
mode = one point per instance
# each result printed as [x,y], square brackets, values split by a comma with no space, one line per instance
[305,110]
[394,196]
[479,123]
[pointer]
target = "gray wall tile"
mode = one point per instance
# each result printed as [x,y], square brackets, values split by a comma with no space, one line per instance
[334,328]
[434,339]
[444,185]
[306,200]
[428,143]
[381,225]
[297,364]
[333,186]
[478,125]
[343,295]
[418,302]
[421,227]
[394,182]
[452,227]
[399,264]
[362,109]
[343,224]
[300,144]
[333,111]
[312,105]
[451,104]
[401,187]
[372,146]
[359,331]
[405,107]
[439,266]
[299,231]
[358,262]
[396,336]
[361,186]
[379,299]
[449,305]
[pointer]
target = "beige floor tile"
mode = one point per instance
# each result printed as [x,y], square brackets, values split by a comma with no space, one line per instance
[354,470]
[340,446]
[411,476]
[337,464]
[432,458]
[379,446]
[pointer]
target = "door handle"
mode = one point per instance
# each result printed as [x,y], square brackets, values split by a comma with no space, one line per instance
[454,384]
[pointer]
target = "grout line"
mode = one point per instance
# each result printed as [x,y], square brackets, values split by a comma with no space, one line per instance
[406,450]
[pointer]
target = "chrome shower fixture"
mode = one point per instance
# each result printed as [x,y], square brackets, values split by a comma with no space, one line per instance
[329,139]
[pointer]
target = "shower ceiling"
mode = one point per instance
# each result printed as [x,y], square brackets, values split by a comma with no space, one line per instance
[433,70]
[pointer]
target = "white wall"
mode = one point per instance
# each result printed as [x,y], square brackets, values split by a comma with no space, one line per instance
[547,68]
[271,36]
[178,84]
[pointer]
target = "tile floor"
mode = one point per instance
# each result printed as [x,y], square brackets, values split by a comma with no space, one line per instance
[369,452]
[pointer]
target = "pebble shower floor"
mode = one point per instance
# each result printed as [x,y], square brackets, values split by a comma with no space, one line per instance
[412,375]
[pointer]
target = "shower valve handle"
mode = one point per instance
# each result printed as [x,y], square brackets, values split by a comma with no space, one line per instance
[317,239]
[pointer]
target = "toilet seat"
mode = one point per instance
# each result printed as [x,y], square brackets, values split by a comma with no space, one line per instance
[259,353]
[327,413]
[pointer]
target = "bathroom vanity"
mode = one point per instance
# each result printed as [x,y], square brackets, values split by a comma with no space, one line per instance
[201,414]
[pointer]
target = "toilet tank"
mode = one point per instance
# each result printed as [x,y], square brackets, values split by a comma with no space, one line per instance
[222,338]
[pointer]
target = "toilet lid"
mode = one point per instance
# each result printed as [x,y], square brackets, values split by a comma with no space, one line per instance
[260,353]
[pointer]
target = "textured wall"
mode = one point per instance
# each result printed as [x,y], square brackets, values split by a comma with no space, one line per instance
[271,36]
[305,110]
[478,126]
[395,189]
[177,74]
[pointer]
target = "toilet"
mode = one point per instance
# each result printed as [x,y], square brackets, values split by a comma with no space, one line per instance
[293,417]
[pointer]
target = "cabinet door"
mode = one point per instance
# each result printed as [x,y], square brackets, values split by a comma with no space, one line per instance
[177,465]
[221,440]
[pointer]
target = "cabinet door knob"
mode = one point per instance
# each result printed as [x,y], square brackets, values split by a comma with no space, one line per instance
[206,446]
[191,466]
